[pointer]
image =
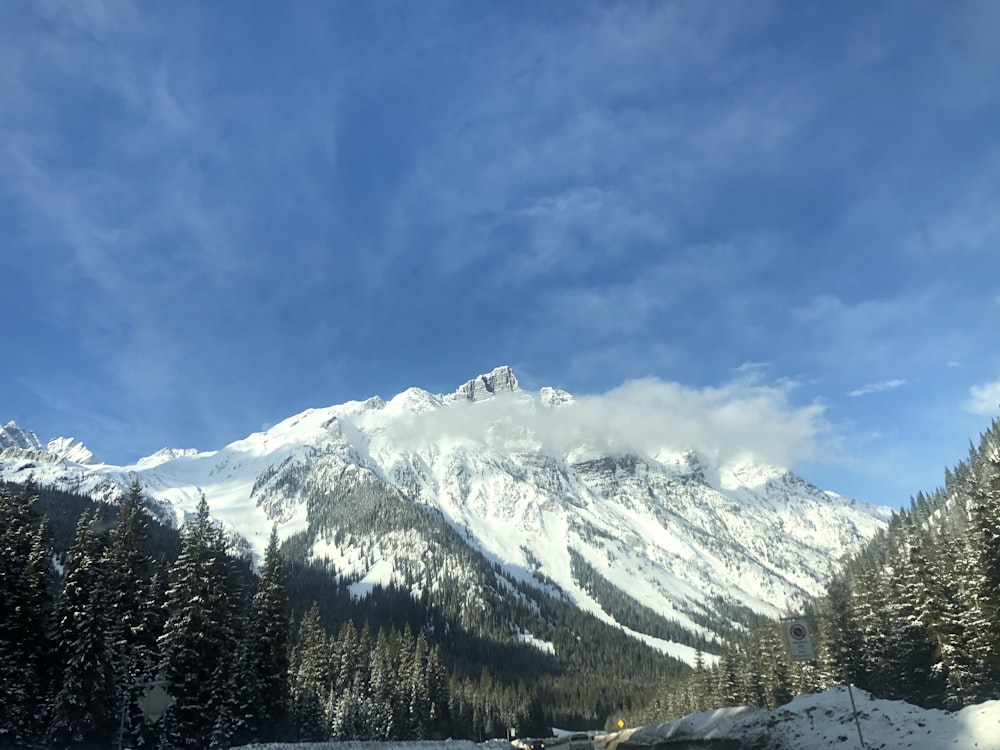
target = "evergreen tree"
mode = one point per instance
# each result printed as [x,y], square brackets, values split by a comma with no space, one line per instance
[699,684]
[419,703]
[984,624]
[198,643]
[344,707]
[380,696]
[729,684]
[84,709]
[128,571]
[439,724]
[754,688]
[841,651]
[310,679]
[914,612]
[263,663]
[25,578]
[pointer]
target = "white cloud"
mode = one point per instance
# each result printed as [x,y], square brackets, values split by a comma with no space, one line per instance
[648,416]
[984,399]
[751,367]
[751,372]
[885,385]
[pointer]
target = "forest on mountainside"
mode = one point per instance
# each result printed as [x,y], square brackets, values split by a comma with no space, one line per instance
[914,616]
[85,639]
[105,600]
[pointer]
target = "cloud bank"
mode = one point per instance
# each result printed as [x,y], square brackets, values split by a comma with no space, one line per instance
[649,417]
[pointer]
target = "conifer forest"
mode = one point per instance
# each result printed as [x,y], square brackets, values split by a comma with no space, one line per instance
[915,616]
[102,604]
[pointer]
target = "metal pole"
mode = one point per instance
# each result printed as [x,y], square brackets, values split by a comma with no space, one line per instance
[854,711]
[121,726]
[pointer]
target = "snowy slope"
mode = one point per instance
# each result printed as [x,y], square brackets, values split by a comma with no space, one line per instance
[826,720]
[514,473]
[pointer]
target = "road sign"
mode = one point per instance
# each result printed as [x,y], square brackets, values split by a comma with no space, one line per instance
[800,645]
[156,702]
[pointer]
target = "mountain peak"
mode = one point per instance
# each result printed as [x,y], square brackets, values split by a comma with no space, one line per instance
[73,450]
[502,379]
[61,448]
[12,436]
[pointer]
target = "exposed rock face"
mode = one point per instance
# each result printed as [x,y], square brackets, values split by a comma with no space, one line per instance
[72,450]
[12,436]
[553,397]
[18,442]
[502,379]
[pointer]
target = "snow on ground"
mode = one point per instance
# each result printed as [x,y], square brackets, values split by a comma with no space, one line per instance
[375,745]
[824,720]
[810,722]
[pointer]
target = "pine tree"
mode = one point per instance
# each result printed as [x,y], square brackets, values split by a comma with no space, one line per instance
[310,679]
[914,612]
[439,697]
[261,685]
[869,617]
[419,703]
[344,707]
[949,563]
[25,577]
[984,625]
[128,570]
[380,697]
[403,646]
[841,652]
[729,687]
[754,687]
[198,643]
[84,709]
[699,684]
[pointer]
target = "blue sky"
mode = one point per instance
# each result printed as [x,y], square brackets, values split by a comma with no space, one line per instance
[215,215]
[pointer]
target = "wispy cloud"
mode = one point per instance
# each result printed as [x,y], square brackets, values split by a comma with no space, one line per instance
[884,385]
[585,146]
[141,192]
[751,372]
[653,317]
[877,332]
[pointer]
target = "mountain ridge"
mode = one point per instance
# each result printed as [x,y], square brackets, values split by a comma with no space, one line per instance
[672,530]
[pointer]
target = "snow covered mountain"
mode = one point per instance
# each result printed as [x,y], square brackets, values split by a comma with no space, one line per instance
[520,480]
[14,441]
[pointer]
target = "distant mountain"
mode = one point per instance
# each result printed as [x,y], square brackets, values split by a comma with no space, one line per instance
[666,544]
[13,439]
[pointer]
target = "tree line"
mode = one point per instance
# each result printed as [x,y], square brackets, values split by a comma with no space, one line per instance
[88,633]
[102,606]
[914,616]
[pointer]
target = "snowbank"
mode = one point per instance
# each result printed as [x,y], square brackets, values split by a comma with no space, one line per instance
[358,745]
[824,720]
[810,722]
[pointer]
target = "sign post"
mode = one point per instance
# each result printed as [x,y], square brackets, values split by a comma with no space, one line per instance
[154,704]
[800,648]
[157,701]
[800,645]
